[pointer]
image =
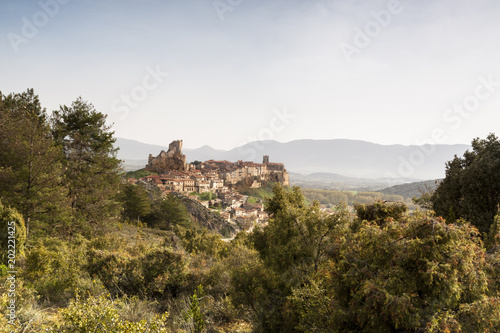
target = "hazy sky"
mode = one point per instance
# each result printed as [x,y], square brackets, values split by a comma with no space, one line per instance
[225,72]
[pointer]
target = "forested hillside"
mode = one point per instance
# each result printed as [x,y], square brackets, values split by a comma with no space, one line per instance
[82,250]
[411,190]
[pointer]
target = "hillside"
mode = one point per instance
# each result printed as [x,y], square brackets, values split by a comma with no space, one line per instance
[205,217]
[412,189]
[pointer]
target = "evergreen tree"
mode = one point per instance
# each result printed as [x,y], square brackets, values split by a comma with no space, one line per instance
[30,168]
[91,168]
[471,188]
[167,213]
[292,247]
[135,201]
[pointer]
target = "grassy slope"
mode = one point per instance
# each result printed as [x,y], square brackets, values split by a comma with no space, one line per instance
[139,173]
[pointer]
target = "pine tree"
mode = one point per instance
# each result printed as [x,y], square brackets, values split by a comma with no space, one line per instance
[92,169]
[135,201]
[30,168]
[471,188]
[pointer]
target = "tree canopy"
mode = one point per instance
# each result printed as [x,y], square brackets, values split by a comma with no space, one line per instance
[30,163]
[91,168]
[471,188]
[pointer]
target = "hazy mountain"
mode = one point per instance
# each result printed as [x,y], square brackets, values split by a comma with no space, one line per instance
[351,158]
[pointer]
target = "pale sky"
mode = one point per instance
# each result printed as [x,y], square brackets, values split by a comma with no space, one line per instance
[225,72]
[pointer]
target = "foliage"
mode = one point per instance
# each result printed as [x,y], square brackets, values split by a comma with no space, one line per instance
[425,198]
[137,174]
[27,310]
[297,235]
[55,269]
[30,168]
[471,188]
[419,273]
[380,211]
[91,168]
[148,271]
[291,247]
[493,271]
[307,270]
[101,314]
[11,225]
[266,191]
[205,196]
[257,288]
[208,196]
[493,238]
[195,241]
[194,313]
[166,213]
[136,202]
[253,200]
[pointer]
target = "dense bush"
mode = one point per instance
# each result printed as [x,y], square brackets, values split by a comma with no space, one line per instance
[13,229]
[380,272]
[419,273]
[379,211]
[101,314]
[471,188]
[55,269]
[156,272]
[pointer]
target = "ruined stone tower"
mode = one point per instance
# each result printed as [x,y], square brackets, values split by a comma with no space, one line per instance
[173,159]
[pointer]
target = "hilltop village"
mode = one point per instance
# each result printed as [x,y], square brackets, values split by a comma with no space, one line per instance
[216,180]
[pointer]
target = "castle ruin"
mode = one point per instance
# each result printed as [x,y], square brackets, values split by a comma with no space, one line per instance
[173,159]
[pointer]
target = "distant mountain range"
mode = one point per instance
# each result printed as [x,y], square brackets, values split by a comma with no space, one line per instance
[349,158]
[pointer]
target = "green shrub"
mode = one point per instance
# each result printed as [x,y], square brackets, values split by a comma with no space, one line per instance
[100,314]
[55,269]
[156,271]
[380,211]
[194,315]
[12,228]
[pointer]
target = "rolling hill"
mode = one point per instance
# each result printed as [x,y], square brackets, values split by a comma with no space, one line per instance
[411,190]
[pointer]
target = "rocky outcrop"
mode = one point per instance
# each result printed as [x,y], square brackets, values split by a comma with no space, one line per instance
[173,159]
[205,217]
